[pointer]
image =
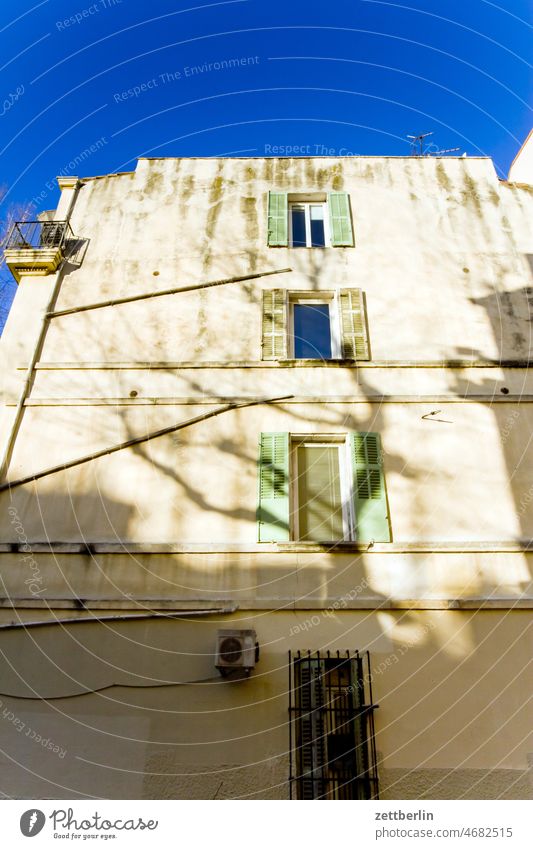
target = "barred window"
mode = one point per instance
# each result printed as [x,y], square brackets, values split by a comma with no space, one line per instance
[332,744]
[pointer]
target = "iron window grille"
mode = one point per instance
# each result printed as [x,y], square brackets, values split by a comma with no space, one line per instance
[332,740]
[38,234]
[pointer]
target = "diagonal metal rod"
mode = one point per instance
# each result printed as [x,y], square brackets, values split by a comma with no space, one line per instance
[146,295]
[86,458]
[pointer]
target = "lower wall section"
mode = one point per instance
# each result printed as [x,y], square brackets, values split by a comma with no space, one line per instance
[165,779]
[136,709]
[456,784]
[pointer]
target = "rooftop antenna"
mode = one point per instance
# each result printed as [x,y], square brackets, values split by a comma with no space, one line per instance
[418,140]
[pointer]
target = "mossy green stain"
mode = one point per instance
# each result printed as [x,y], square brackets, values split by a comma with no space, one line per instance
[201,324]
[470,193]
[268,170]
[337,174]
[309,173]
[212,218]
[132,271]
[251,226]
[216,190]
[249,210]
[442,178]
[153,183]
[508,230]
[322,177]
[187,188]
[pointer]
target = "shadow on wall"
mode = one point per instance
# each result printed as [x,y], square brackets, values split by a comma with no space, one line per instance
[55,516]
[511,316]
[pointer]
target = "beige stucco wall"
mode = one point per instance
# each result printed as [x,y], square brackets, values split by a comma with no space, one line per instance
[451,720]
[443,253]
[163,490]
[433,253]
[442,473]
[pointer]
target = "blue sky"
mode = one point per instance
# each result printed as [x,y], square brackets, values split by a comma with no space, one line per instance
[355,76]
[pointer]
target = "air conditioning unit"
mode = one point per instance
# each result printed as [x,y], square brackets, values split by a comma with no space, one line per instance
[237,650]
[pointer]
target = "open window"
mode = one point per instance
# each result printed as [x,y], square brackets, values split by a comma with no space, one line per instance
[309,220]
[324,325]
[308,225]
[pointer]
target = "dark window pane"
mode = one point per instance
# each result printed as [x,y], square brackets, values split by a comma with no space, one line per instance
[318,239]
[298,228]
[312,331]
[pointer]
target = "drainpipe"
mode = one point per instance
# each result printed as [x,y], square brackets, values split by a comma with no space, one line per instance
[19,412]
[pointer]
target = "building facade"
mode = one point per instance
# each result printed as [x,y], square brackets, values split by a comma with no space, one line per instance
[272,416]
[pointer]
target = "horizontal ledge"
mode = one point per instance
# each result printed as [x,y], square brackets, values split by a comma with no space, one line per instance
[130,602]
[203,400]
[331,606]
[171,364]
[428,547]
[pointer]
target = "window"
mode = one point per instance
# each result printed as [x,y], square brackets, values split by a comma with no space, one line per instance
[306,221]
[314,325]
[322,488]
[308,225]
[332,745]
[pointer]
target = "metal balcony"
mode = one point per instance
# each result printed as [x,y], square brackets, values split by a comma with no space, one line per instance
[36,248]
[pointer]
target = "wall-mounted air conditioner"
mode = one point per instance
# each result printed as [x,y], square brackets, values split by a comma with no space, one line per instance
[236,650]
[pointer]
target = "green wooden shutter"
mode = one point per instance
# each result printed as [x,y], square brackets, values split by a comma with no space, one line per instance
[353,325]
[310,730]
[278,219]
[370,498]
[274,330]
[273,508]
[340,219]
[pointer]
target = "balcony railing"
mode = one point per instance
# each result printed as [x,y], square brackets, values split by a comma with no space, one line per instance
[38,234]
[38,248]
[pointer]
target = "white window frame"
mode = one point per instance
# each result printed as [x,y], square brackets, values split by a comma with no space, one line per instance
[332,300]
[346,480]
[307,204]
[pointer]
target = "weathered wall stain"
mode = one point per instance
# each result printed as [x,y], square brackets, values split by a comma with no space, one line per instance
[443,178]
